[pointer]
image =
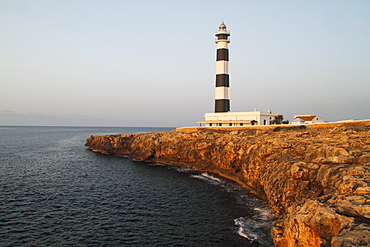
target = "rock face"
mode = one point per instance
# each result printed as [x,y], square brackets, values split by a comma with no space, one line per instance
[316,177]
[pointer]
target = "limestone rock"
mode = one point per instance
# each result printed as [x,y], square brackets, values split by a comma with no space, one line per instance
[316,179]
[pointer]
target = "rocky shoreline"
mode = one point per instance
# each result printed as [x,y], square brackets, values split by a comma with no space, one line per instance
[314,177]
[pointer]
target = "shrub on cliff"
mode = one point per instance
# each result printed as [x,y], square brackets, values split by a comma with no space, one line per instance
[277,119]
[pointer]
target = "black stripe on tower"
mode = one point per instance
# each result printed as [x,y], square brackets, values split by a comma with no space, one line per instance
[222,105]
[222,54]
[222,80]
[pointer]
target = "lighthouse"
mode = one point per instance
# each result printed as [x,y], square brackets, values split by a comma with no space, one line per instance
[222,92]
[222,117]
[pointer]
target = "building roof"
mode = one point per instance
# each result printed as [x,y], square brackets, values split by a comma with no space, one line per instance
[305,117]
[226,121]
[298,120]
[246,113]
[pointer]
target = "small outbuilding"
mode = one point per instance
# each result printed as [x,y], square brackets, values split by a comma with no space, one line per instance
[306,119]
[297,121]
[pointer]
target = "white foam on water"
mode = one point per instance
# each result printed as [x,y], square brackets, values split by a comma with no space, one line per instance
[253,228]
[263,214]
[208,178]
[184,169]
[124,156]
[245,229]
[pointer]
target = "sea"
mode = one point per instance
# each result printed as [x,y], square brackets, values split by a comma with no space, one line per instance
[55,192]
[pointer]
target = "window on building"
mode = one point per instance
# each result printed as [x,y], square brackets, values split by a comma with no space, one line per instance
[264,122]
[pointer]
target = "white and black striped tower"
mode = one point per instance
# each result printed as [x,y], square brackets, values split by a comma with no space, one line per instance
[222,95]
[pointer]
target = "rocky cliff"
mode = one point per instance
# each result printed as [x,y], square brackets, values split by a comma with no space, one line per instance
[315,177]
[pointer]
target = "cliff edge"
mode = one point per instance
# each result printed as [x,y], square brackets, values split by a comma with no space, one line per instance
[315,177]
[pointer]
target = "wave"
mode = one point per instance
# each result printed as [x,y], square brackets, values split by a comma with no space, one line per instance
[264,214]
[245,229]
[254,228]
[208,178]
[184,169]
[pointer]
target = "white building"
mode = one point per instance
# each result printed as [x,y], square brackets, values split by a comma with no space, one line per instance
[238,118]
[306,119]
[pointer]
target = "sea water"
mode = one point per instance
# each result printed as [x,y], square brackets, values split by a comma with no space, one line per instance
[55,192]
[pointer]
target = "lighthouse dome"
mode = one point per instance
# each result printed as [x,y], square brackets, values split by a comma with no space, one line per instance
[222,32]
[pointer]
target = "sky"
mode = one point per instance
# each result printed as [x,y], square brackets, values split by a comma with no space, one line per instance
[152,63]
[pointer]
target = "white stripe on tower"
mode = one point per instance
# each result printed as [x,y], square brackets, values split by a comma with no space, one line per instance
[222,95]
